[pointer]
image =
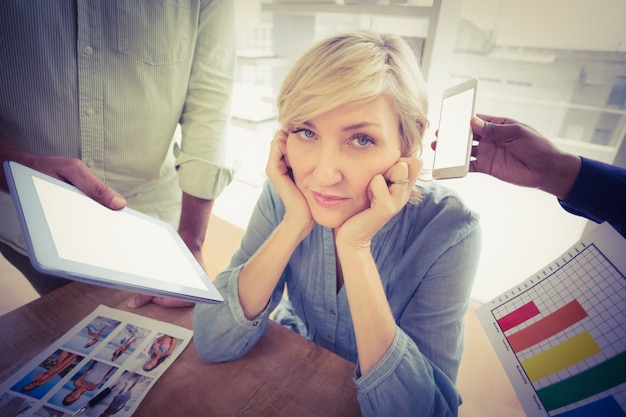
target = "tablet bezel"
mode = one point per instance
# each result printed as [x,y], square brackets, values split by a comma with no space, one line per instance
[44,256]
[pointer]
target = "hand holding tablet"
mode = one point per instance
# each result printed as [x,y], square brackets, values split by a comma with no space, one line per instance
[70,235]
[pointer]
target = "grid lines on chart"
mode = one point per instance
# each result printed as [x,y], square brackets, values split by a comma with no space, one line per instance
[586,278]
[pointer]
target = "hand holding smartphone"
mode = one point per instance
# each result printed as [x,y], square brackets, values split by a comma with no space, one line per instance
[454,138]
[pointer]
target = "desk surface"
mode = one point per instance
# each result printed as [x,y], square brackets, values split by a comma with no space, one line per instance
[283,375]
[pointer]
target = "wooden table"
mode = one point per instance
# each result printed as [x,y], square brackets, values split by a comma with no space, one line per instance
[283,375]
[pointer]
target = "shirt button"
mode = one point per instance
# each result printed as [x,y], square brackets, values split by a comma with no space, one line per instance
[91,163]
[90,111]
[256,323]
[332,313]
[88,50]
[329,337]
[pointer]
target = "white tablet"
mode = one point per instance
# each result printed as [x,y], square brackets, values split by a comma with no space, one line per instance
[72,236]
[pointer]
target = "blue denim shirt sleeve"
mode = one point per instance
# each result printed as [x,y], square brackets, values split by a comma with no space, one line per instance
[221,331]
[419,370]
[391,388]
[599,194]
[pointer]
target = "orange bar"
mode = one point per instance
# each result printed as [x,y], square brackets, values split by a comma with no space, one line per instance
[548,326]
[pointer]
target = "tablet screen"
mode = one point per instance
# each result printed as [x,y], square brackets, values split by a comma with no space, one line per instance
[106,238]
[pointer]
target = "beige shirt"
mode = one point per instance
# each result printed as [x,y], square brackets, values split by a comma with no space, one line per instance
[109,82]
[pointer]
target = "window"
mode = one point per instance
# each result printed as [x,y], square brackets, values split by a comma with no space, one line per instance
[617,97]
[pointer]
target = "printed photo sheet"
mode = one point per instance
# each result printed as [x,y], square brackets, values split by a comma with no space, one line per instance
[109,348]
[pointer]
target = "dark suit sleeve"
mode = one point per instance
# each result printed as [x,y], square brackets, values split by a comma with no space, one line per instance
[599,194]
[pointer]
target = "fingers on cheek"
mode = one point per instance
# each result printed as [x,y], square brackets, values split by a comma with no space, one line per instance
[376,186]
[280,135]
[277,152]
[400,172]
[387,196]
[387,193]
[279,141]
[410,169]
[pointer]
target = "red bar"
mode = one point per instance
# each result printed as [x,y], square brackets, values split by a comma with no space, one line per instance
[518,316]
[548,326]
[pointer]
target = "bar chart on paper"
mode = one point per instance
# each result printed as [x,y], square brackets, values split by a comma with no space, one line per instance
[561,334]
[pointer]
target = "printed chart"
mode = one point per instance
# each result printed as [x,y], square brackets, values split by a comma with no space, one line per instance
[561,334]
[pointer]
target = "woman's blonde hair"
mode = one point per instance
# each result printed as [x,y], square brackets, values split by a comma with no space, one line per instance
[357,66]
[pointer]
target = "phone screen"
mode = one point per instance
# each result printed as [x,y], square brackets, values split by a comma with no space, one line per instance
[454,139]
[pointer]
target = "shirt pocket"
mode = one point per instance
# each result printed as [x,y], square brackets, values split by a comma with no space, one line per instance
[158,32]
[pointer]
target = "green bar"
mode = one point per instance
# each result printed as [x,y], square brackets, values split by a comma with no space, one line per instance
[602,377]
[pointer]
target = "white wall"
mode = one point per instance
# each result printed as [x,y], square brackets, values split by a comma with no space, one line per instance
[523,230]
[561,24]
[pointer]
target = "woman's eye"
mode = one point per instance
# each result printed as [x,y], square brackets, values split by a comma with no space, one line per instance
[362,140]
[304,133]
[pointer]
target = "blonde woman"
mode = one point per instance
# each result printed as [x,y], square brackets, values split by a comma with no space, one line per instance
[378,267]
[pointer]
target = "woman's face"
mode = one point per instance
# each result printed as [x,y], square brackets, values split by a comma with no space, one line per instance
[335,155]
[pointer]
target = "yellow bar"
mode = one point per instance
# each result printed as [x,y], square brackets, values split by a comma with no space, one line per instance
[562,356]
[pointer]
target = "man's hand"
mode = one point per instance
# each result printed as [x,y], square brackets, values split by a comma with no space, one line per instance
[142,299]
[70,170]
[516,153]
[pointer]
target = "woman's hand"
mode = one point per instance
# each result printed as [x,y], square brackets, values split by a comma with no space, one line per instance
[388,194]
[261,273]
[278,170]
[374,325]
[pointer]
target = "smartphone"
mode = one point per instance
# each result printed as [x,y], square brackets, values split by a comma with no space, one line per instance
[454,138]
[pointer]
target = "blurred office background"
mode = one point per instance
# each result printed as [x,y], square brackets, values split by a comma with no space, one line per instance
[558,65]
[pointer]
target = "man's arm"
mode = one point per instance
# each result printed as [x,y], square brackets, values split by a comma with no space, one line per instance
[517,153]
[194,220]
[204,124]
[599,194]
